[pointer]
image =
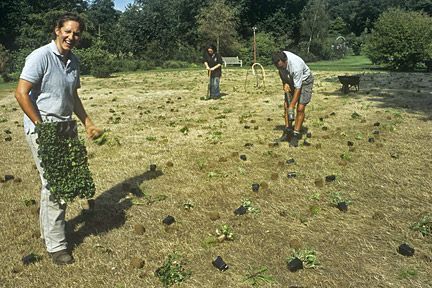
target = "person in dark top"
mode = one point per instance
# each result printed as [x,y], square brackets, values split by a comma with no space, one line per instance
[213,63]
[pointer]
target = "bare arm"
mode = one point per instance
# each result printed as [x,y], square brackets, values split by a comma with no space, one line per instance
[22,96]
[92,131]
[296,97]
[215,67]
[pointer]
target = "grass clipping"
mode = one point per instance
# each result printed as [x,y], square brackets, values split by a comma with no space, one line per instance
[64,161]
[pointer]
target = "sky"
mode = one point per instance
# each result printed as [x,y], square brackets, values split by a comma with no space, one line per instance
[121,4]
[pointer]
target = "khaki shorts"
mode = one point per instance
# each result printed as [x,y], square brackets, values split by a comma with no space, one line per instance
[306,91]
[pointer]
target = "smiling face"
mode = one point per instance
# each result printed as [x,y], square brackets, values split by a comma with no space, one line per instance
[68,36]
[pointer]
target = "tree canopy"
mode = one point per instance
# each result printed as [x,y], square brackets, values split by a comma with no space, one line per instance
[161,30]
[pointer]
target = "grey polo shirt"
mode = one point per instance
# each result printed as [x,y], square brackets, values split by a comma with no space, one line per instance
[297,69]
[54,84]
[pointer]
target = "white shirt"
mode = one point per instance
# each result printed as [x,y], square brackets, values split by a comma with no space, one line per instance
[297,69]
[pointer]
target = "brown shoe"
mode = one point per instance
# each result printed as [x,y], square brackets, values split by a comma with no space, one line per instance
[62,257]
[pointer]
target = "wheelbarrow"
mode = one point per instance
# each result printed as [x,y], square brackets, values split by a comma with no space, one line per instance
[348,82]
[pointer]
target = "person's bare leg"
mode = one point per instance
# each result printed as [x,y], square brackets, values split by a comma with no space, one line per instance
[288,125]
[299,117]
[298,125]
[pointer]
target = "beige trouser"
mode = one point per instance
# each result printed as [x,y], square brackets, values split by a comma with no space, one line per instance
[52,214]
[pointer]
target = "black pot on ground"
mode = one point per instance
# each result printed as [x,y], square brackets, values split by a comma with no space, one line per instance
[9,177]
[255,187]
[152,167]
[220,264]
[292,174]
[330,178]
[168,220]
[342,206]
[30,258]
[295,264]
[405,250]
[240,210]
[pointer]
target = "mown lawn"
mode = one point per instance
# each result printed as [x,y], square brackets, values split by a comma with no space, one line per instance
[374,144]
[349,63]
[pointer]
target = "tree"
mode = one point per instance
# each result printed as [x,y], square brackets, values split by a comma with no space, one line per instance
[400,39]
[338,27]
[279,18]
[11,15]
[315,22]
[155,27]
[217,22]
[360,15]
[38,29]
[419,5]
[103,19]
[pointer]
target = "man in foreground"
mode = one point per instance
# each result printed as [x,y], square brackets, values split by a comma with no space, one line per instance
[297,80]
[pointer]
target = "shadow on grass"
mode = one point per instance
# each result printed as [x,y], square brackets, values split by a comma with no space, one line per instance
[411,92]
[109,211]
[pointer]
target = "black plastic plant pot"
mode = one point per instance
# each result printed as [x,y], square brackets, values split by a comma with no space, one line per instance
[220,264]
[376,124]
[243,157]
[295,264]
[240,210]
[8,177]
[342,206]
[330,178]
[405,250]
[168,220]
[255,187]
[371,140]
[292,174]
[350,143]
[152,167]
[290,161]
[30,258]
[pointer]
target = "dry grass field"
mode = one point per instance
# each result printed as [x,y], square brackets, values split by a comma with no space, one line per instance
[157,117]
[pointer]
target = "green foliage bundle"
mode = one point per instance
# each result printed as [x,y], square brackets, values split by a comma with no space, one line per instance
[400,39]
[64,161]
[424,225]
[258,277]
[172,272]
[307,256]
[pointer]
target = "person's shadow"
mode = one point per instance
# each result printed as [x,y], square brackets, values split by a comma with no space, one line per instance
[107,211]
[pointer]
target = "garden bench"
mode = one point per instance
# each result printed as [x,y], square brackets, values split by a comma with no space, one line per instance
[232,61]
